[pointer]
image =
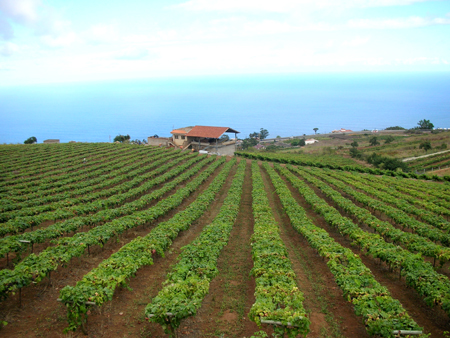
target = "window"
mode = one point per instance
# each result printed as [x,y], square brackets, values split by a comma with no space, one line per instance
[176,137]
[183,137]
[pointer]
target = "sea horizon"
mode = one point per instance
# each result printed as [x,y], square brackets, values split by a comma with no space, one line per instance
[285,105]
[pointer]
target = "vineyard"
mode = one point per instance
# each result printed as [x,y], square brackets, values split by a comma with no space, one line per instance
[119,240]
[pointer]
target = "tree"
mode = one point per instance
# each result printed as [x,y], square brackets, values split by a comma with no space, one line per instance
[354,144]
[249,142]
[253,135]
[263,133]
[425,145]
[121,138]
[374,141]
[315,130]
[355,153]
[425,124]
[389,139]
[30,140]
[224,138]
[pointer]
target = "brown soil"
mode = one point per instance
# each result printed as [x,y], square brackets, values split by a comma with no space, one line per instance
[434,320]
[224,311]
[330,314]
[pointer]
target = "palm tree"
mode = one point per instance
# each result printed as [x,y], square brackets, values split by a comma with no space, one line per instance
[315,130]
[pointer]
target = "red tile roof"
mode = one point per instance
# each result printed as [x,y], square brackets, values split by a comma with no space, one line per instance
[209,132]
[178,131]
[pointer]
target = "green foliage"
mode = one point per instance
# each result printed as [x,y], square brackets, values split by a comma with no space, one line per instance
[425,124]
[263,133]
[298,142]
[374,141]
[389,139]
[277,296]
[387,163]
[188,282]
[121,138]
[249,142]
[395,128]
[444,146]
[355,153]
[315,130]
[354,144]
[224,138]
[372,301]
[30,140]
[425,145]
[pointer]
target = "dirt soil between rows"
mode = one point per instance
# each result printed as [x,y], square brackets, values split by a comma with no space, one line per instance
[224,311]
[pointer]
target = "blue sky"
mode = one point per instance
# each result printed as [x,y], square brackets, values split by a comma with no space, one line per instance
[45,41]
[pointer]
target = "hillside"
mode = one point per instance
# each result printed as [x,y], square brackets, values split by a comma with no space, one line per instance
[396,144]
[134,240]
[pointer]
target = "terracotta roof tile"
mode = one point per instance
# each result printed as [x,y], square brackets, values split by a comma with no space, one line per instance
[178,131]
[209,132]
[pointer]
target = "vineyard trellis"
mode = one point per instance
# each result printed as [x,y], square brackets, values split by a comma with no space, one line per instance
[68,202]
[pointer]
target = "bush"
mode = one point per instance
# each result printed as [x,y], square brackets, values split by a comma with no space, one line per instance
[386,162]
[395,128]
[30,140]
[121,138]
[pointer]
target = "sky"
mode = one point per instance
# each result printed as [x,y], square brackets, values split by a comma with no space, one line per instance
[51,41]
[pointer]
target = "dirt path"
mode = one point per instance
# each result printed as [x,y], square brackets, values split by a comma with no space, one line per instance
[423,156]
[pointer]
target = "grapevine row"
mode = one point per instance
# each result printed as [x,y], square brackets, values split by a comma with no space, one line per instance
[138,176]
[420,275]
[99,284]
[188,283]
[412,242]
[382,314]
[14,244]
[277,296]
[34,268]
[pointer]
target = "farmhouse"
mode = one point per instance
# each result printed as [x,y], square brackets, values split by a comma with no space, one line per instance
[205,138]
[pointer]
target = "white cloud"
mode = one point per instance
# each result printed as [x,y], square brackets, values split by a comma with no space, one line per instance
[21,11]
[424,61]
[132,53]
[42,19]
[358,41]
[101,33]
[6,31]
[61,40]
[283,6]
[8,49]
[397,23]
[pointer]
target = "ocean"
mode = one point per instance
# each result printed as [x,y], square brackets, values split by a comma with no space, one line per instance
[285,105]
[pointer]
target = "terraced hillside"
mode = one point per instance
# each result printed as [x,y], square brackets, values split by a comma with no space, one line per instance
[114,240]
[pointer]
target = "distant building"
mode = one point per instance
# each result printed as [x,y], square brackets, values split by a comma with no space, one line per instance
[259,146]
[311,141]
[158,141]
[51,141]
[204,138]
[342,130]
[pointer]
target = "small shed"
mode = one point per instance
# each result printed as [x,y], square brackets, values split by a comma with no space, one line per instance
[51,141]
[311,141]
